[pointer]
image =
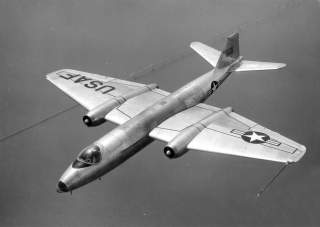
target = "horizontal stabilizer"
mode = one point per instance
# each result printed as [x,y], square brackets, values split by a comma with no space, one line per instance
[210,54]
[230,52]
[258,65]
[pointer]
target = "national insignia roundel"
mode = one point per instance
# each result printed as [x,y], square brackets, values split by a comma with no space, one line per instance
[255,137]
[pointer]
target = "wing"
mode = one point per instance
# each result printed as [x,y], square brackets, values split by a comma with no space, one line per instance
[91,90]
[134,106]
[258,65]
[170,128]
[230,133]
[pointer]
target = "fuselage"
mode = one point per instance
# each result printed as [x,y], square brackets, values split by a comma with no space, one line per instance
[127,139]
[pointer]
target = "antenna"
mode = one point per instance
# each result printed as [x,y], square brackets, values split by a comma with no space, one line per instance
[37,123]
[134,76]
[262,190]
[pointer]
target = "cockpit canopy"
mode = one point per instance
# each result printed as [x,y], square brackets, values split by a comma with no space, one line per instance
[90,155]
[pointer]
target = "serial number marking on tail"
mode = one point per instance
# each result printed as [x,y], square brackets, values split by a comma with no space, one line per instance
[97,85]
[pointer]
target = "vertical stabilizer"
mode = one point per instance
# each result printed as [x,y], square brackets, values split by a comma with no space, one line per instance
[230,52]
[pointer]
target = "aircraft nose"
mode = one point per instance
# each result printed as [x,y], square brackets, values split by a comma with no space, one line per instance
[62,187]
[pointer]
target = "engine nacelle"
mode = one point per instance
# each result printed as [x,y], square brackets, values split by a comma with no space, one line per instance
[178,145]
[173,153]
[97,115]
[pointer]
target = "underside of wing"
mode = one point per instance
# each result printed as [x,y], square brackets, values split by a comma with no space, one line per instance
[229,133]
[91,90]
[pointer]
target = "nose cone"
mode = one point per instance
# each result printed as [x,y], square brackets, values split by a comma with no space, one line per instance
[62,187]
[74,178]
[68,180]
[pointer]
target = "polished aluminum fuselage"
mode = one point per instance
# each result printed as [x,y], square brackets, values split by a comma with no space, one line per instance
[127,139]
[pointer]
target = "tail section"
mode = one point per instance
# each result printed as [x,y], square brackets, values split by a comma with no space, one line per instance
[230,54]
[210,54]
[257,65]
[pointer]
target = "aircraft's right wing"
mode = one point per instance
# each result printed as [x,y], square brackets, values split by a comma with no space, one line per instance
[230,133]
[91,90]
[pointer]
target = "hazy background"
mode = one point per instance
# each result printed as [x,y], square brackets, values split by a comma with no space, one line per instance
[121,38]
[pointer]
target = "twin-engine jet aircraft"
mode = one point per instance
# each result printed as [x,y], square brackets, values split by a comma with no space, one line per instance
[180,119]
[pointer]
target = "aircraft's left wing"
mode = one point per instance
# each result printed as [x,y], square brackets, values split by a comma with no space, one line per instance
[230,133]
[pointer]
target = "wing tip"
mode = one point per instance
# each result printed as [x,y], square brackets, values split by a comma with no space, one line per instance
[299,153]
[49,76]
[281,65]
[194,44]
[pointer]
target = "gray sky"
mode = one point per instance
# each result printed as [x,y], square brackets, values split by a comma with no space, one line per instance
[121,37]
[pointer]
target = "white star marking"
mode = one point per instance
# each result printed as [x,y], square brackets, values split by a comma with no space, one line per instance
[255,137]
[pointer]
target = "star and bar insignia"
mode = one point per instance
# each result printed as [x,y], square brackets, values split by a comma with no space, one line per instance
[255,137]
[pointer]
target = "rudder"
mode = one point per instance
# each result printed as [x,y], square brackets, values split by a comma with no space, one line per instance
[230,52]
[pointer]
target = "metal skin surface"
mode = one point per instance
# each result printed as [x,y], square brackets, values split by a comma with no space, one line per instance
[121,143]
[96,116]
[139,114]
[178,145]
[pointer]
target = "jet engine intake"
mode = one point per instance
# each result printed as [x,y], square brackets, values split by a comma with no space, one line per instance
[96,116]
[178,145]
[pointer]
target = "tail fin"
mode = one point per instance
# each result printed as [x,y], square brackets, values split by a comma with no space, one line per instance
[230,52]
[217,58]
